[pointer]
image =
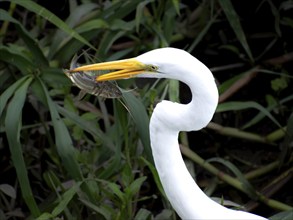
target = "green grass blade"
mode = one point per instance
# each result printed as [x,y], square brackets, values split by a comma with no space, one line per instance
[61,39]
[98,209]
[236,25]
[135,186]
[88,126]
[228,83]
[200,36]
[143,214]
[13,57]
[286,215]
[247,187]
[115,189]
[140,12]
[5,96]
[13,126]
[31,43]
[65,53]
[107,41]
[43,12]
[92,25]
[141,120]
[173,90]
[260,115]
[155,175]
[235,106]
[62,138]
[176,4]
[119,9]
[65,199]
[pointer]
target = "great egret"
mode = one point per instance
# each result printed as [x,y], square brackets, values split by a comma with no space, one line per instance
[169,118]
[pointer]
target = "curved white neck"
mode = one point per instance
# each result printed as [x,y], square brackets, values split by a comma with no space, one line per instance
[167,121]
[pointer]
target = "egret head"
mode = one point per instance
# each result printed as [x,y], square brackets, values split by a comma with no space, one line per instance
[160,63]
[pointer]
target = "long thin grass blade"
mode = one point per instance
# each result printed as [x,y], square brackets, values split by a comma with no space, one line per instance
[235,106]
[87,126]
[141,119]
[200,36]
[119,9]
[286,215]
[31,43]
[155,175]
[143,214]
[61,39]
[13,57]
[5,96]
[46,14]
[236,25]
[260,115]
[62,139]
[65,199]
[99,209]
[13,125]
[140,12]
[247,187]
[176,4]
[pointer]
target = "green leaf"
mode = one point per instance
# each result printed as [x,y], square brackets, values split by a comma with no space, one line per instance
[43,12]
[135,186]
[8,190]
[45,215]
[248,188]
[143,214]
[65,199]
[286,215]
[155,175]
[13,126]
[279,84]
[51,180]
[62,138]
[173,90]
[176,4]
[88,126]
[236,25]
[77,16]
[116,190]
[235,106]
[261,115]
[14,58]
[200,36]
[98,209]
[55,77]
[9,92]
[107,41]
[31,43]
[228,83]
[141,120]
[140,12]
[119,9]
[92,25]
[165,214]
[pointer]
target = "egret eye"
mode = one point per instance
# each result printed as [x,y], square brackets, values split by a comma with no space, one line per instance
[153,68]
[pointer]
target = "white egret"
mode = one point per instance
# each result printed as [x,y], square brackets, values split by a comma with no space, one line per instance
[169,118]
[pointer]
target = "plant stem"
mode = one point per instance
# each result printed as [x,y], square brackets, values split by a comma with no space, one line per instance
[234,132]
[230,180]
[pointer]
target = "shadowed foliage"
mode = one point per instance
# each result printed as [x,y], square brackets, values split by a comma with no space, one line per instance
[68,158]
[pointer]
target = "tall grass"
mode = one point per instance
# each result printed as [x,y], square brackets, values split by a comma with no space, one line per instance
[64,158]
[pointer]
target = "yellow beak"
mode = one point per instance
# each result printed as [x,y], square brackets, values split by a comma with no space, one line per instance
[122,69]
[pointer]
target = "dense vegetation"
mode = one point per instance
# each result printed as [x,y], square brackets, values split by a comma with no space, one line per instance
[65,158]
